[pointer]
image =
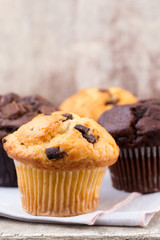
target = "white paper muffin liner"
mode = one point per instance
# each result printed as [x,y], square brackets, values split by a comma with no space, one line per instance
[65,193]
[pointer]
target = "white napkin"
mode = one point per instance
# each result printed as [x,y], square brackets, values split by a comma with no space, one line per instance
[116,208]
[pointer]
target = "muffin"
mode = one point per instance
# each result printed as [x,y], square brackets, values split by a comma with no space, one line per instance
[136,129]
[15,111]
[60,161]
[92,102]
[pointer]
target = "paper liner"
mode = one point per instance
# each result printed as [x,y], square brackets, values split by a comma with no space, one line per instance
[137,170]
[66,193]
[8,177]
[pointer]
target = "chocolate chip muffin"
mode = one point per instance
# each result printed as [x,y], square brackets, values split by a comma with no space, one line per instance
[15,111]
[60,161]
[92,102]
[136,129]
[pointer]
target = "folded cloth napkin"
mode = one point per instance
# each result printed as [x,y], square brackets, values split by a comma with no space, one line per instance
[115,208]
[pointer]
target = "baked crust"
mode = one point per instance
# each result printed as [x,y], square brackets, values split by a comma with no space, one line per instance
[92,102]
[134,125]
[16,111]
[29,143]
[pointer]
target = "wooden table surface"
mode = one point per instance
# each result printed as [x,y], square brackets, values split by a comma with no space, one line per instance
[12,229]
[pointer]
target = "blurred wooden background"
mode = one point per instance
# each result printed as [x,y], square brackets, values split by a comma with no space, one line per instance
[56,47]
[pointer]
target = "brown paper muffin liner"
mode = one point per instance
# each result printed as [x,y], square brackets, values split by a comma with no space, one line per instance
[137,170]
[8,177]
[58,194]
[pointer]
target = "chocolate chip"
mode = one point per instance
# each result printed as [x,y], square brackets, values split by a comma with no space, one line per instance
[90,137]
[68,116]
[22,143]
[82,128]
[112,101]
[4,140]
[54,153]
[103,90]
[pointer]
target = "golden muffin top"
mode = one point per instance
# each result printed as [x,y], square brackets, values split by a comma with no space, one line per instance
[92,102]
[62,141]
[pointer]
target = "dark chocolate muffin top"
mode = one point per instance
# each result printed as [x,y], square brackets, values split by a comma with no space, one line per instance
[16,110]
[134,125]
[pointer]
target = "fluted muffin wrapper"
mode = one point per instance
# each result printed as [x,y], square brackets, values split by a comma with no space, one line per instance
[137,170]
[59,194]
[8,177]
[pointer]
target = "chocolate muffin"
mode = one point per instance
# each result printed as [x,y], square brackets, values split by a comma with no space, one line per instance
[136,129]
[15,111]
